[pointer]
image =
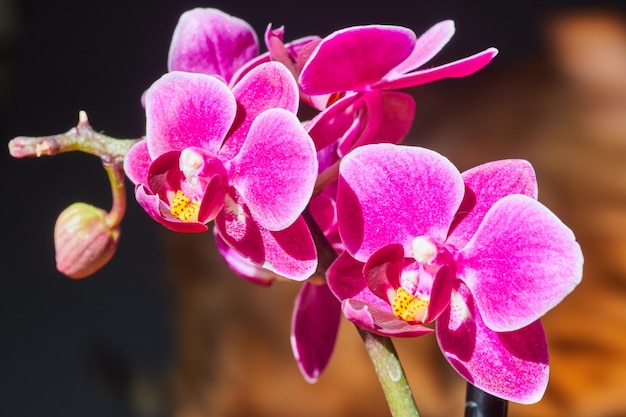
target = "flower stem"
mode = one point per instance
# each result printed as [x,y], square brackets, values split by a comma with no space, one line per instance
[480,404]
[390,374]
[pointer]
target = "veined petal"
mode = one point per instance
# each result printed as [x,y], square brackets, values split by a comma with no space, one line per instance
[392,194]
[521,262]
[276,169]
[314,327]
[457,69]
[184,110]
[510,365]
[137,162]
[426,47]
[268,86]
[380,321]
[209,41]
[356,57]
[484,185]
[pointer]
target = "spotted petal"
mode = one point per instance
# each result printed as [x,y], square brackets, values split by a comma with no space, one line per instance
[510,365]
[521,262]
[184,110]
[314,328]
[276,169]
[392,194]
[209,41]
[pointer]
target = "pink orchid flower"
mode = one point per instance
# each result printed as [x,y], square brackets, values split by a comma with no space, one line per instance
[358,67]
[209,41]
[238,157]
[474,251]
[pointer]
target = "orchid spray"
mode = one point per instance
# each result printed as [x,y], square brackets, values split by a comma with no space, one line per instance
[393,238]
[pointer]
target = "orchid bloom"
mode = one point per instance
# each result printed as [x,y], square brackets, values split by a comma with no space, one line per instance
[238,157]
[359,66]
[209,41]
[474,251]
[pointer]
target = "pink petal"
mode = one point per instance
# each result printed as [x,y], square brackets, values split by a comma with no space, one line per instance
[242,266]
[289,253]
[276,169]
[268,86]
[184,110]
[345,277]
[156,209]
[426,47]
[521,262]
[211,42]
[330,125]
[314,328]
[356,57]
[137,162]
[392,194]
[383,269]
[510,365]
[380,321]
[456,69]
[484,185]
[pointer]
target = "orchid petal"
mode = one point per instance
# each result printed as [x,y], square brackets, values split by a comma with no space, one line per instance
[268,86]
[380,321]
[456,69]
[276,169]
[383,269]
[353,58]
[314,328]
[510,365]
[242,266]
[155,208]
[211,42]
[345,277]
[426,47]
[484,185]
[289,253]
[521,262]
[331,124]
[184,109]
[137,162]
[392,194]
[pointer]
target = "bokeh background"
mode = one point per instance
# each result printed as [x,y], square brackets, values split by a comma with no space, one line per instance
[165,330]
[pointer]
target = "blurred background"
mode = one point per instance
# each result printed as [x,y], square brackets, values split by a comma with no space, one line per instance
[165,330]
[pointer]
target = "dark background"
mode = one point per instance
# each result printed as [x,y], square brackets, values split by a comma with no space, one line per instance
[65,344]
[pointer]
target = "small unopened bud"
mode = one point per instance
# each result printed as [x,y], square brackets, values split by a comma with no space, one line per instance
[83,240]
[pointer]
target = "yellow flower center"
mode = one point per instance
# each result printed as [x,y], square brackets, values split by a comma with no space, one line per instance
[184,208]
[406,306]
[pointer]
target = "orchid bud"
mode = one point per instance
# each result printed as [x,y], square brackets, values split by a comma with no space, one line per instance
[83,239]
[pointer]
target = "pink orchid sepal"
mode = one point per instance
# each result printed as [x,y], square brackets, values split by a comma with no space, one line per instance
[474,252]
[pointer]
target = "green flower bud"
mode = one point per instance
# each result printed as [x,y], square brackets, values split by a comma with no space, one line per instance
[84,241]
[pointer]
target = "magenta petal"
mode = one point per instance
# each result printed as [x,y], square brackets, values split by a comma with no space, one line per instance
[332,123]
[137,162]
[484,185]
[276,169]
[211,42]
[314,328]
[267,86]
[510,365]
[155,208]
[184,110]
[242,266]
[426,47]
[345,277]
[392,194]
[290,252]
[383,269]
[380,321]
[456,69]
[521,262]
[353,58]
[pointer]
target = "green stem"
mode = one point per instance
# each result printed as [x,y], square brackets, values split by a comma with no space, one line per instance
[390,374]
[380,348]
